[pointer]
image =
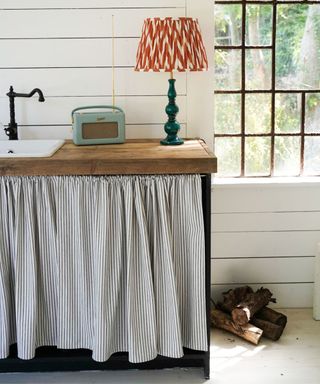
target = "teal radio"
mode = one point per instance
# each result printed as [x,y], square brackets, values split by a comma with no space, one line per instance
[106,125]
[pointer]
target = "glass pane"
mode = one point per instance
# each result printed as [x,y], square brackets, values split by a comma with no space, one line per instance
[258,69]
[228,150]
[228,19]
[227,69]
[257,161]
[227,113]
[298,46]
[258,113]
[312,119]
[258,24]
[311,156]
[287,112]
[287,156]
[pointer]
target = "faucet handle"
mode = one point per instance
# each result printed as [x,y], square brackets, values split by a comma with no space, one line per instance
[12,131]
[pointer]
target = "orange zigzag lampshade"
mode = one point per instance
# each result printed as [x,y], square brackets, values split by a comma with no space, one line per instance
[171,44]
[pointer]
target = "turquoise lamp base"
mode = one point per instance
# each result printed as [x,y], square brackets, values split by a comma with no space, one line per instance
[172,141]
[172,127]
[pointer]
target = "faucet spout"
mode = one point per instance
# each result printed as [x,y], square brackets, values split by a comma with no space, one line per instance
[12,129]
[39,92]
[11,93]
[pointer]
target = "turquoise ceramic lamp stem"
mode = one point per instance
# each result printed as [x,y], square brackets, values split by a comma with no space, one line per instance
[172,126]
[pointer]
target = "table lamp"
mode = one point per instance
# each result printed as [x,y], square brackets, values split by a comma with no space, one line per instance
[169,45]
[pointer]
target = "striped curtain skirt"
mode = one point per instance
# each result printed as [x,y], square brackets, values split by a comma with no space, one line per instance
[107,263]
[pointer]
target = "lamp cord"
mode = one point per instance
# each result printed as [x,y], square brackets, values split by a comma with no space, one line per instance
[113,86]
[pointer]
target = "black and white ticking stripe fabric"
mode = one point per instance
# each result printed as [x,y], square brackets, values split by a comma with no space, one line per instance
[110,264]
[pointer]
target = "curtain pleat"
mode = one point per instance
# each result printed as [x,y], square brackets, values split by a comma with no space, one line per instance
[108,263]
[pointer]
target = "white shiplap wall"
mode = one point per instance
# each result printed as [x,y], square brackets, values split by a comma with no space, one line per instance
[64,48]
[266,235]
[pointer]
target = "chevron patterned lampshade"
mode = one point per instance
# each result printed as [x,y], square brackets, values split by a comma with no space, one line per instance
[169,45]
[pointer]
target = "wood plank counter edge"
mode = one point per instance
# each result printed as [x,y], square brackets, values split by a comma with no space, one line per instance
[137,156]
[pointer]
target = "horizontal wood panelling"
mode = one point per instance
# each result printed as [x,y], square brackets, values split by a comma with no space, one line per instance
[64,48]
[266,197]
[89,81]
[57,110]
[264,244]
[266,233]
[78,22]
[250,271]
[287,295]
[52,4]
[65,132]
[257,222]
[67,53]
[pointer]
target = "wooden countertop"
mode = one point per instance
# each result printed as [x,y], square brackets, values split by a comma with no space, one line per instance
[133,157]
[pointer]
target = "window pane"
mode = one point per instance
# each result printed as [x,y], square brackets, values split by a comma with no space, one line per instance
[227,113]
[288,113]
[258,113]
[311,156]
[312,120]
[228,19]
[228,151]
[287,156]
[258,24]
[228,69]
[298,46]
[257,150]
[258,69]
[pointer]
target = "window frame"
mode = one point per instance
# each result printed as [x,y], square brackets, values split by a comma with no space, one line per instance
[273,91]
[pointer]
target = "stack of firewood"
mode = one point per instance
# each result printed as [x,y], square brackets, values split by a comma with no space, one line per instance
[244,312]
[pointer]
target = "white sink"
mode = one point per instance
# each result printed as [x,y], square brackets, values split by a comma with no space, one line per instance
[29,148]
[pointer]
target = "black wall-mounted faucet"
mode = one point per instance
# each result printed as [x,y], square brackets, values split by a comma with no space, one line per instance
[12,129]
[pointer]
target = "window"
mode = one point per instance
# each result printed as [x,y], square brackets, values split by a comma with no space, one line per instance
[267,87]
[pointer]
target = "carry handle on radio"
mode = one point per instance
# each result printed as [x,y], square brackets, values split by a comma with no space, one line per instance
[96,107]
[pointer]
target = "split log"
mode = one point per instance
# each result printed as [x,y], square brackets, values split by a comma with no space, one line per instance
[270,330]
[248,332]
[252,303]
[233,297]
[272,316]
